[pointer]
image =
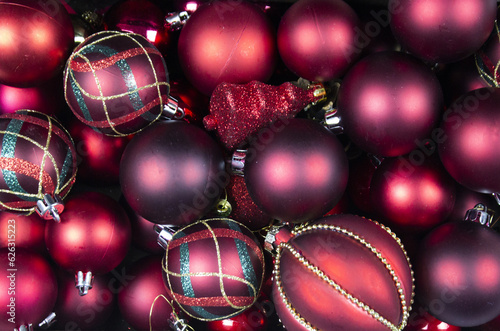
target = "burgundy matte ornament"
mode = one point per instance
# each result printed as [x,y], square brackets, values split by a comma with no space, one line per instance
[93,236]
[214,269]
[469,140]
[389,101]
[296,170]
[22,231]
[342,271]
[412,194]
[227,41]
[172,173]
[458,273]
[442,30]
[317,39]
[37,37]
[116,82]
[28,288]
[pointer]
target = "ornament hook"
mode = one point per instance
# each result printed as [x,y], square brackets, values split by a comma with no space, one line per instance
[172,110]
[28,327]
[165,234]
[480,214]
[238,162]
[48,321]
[175,21]
[333,120]
[83,282]
[50,207]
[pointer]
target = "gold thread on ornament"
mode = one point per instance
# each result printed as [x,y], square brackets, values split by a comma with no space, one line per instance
[176,317]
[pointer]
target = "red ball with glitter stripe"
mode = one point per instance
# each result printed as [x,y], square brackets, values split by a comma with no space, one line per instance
[116,82]
[214,269]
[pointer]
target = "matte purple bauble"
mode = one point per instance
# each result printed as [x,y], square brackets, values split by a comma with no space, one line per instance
[172,173]
[458,273]
[296,170]
[442,30]
[317,38]
[470,136]
[388,101]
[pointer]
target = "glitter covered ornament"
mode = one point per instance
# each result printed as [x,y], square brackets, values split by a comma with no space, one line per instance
[342,272]
[116,82]
[37,162]
[214,269]
[240,110]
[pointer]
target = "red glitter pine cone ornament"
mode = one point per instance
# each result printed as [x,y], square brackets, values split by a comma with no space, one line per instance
[342,272]
[214,269]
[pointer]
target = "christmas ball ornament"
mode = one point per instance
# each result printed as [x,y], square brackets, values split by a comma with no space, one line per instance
[412,194]
[84,313]
[22,231]
[143,301]
[469,138]
[38,163]
[254,318]
[93,225]
[345,272]
[227,41]
[442,30]
[116,82]
[214,269]
[457,273]
[421,320]
[388,102]
[28,288]
[37,37]
[296,170]
[172,173]
[317,39]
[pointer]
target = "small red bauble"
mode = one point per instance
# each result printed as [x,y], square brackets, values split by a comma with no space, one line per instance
[388,101]
[227,41]
[116,82]
[22,231]
[412,194]
[172,173]
[458,273]
[144,297]
[214,269]
[345,272]
[296,170]
[37,37]
[317,39]
[28,288]
[254,318]
[442,30]
[469,141]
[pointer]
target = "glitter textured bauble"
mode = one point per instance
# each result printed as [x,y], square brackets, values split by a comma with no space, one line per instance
[317,39]
[37,157]
[214,269]
[442,30]
[458,273]
[469,140]
[343,272]
[227,41]
[388,101]
[172,173]
[37,37]
[22,231]
[116,82]
[296,170]
[28,288]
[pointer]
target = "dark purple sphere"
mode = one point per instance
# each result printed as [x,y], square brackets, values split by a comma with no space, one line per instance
[296,170]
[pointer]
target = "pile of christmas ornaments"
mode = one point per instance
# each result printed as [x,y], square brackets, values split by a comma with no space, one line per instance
[249,165]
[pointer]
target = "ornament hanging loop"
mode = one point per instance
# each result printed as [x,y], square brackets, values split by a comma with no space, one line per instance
[83,282]
[48,321]
[50,207]
[165,234]
[238,162]
[480,214]
[333,121]
[172,110]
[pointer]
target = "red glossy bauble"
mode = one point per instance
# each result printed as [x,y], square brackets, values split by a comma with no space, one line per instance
[421,320]
[469,140]
[23,231]
[28,288]
[254,318]
[227,41]
[412,194]
[296,170]
[442,30]
[172,173]
[37,37]
[93,235]
[140,299]
[317,39]
[116,82]
[99,155]
[389,101]
[458,273]
[214,269]
[89,312]
[38,157]
[344,271]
